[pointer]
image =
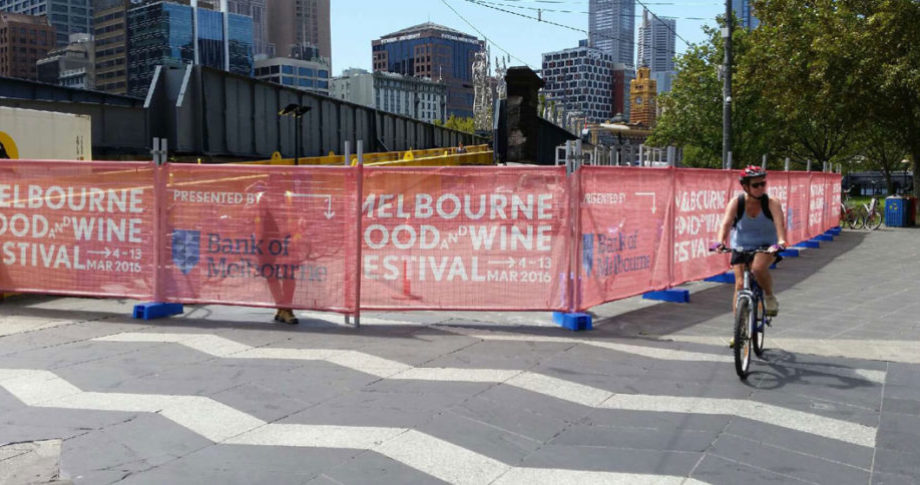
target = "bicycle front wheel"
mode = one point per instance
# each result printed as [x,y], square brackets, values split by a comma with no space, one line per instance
[873,221]
[743,332]
[758,328]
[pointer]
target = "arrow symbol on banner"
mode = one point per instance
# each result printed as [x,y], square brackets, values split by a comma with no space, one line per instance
[509,262]
[106,253]
[647,194]
[329,213]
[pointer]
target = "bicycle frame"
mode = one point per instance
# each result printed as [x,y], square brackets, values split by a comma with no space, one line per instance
[753,293]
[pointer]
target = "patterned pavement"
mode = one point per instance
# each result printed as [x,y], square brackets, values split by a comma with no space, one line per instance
[650,396]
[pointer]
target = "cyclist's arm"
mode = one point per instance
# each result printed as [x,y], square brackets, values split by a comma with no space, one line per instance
[727,220]
[776,208]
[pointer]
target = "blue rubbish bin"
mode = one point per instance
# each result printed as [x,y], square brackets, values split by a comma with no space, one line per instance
[896,211]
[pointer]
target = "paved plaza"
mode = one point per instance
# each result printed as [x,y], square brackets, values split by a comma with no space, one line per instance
[222,394]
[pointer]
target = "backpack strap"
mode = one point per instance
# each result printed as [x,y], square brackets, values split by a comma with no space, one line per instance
[764,206]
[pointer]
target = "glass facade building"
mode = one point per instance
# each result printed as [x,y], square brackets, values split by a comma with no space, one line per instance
[612,28]
[66,16]
[745,13]
[436,52]
[171,34]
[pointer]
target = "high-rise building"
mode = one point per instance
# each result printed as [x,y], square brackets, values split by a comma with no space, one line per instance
[111,45]
[111,34]
[73,66]
[171,34]
[433,51]
[297,25]
[612,28]
[657,38]
[580,79]
[67,16]
[745,13]
[24,39]
[255,9]
[415,97]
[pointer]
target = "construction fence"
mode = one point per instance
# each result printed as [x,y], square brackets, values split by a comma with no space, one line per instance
[352,238]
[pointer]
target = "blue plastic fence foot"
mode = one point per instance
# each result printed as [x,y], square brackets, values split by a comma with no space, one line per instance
[572,321]
[789,253]
[673,295]
[810,244]
[726,277]
[834,231]
[824,237]
[149,311]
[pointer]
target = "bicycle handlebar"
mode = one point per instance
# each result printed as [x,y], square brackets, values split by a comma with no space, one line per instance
[719,248]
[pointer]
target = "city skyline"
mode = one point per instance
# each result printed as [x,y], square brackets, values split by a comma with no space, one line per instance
[351,36]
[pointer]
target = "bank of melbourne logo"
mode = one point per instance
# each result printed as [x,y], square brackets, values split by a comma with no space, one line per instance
[186,248]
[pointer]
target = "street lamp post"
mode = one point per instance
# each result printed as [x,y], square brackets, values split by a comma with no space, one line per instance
[297,111]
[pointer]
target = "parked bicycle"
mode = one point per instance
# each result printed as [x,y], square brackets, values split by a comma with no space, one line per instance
[851,217]
[874,217]
[751,318]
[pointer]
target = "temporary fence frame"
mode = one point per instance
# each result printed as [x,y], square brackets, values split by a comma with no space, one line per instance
[824,190]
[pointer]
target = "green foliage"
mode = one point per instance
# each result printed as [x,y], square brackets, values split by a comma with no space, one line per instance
[465,125]
[692,111]
[821,80]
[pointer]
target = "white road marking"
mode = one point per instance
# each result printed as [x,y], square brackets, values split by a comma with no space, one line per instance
[538,383]
[223,424]
[884,350]
[651,352]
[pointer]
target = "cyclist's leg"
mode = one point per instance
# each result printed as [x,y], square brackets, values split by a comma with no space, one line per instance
[761,270]
[739,283]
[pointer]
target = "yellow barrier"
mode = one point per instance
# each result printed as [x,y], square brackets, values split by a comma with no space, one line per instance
[426,157]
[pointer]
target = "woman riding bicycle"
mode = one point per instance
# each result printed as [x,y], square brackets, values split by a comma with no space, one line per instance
[758,224]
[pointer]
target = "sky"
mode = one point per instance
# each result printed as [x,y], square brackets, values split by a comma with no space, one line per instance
[355,23]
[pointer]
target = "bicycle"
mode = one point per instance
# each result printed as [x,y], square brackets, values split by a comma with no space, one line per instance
[873,219]
[750,317]
[850,217]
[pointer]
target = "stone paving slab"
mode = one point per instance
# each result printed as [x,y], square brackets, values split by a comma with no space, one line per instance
[843,350]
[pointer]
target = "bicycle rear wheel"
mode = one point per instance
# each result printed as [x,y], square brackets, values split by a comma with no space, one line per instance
[743,328]
[851,219]
[873,221]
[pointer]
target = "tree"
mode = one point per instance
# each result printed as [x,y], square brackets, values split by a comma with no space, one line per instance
[888,41]
[465,125]
[880,151]
[806,74]
[692,111]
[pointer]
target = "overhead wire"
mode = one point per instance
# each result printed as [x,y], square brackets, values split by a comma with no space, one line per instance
[484,36]
[483,3]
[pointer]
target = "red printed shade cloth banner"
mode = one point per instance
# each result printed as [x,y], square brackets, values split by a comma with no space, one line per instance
[431,238]
[260,236]
[624,232]
[465,238]
[78,228]
[700,199]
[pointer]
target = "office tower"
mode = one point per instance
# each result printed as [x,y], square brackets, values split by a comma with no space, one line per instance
[656,48]
[172,35]
[67,16]
[436,52]
[581,79]
[257,10]
[24,39]
[296,25]
[611,28]
[745,13]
